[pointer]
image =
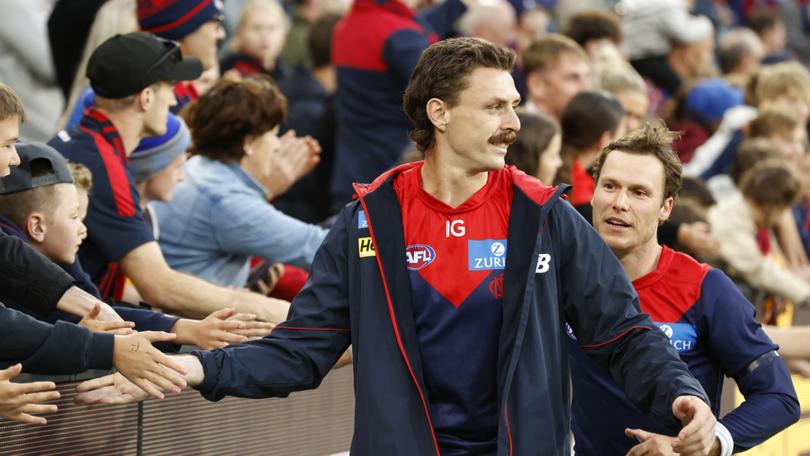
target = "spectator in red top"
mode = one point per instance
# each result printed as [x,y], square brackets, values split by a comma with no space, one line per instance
[590,122]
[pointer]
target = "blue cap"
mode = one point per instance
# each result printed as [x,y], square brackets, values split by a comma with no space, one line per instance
[710,99]
[157,152]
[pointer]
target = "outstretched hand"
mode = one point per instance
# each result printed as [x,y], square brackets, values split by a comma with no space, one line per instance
[95,322]
[220,329]
[110,389]
[140,362]
[19,401]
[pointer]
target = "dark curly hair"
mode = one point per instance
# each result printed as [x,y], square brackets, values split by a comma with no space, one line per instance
[442,73]
[231,112]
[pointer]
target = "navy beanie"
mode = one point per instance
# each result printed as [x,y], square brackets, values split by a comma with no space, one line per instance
[174,19]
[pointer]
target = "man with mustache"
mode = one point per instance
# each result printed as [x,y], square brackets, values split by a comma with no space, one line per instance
[452,279]
[707,320]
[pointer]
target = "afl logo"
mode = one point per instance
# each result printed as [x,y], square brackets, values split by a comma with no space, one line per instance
[497,249]
[419,255]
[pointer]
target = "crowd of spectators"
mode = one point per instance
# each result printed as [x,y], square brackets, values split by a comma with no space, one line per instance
[194,160]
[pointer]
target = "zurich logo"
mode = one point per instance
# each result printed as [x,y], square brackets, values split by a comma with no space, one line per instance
[486,254]
[419,255]
[682,336]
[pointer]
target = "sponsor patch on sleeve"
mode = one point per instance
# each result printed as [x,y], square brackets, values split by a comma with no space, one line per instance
[682,336]
[486,255]
[365,247]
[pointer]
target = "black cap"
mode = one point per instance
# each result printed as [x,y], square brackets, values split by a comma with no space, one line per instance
[126,64]
[39,157]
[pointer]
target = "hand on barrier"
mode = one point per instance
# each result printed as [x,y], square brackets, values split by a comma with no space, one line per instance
[698,434]
[110,389]
[93,321]
[19,401]
[140,362]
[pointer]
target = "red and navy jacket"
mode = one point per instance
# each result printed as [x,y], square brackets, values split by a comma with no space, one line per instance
[115,223]
[375,48]
[557,269]
[712,326]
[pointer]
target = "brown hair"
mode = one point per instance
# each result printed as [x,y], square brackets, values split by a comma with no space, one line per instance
[82,177]
[536,132]
[771,122]
[749,154]
[18,206]
[231,112]
[587,117]
[652,139]
[10,104]
[770,184]
[442,72]
[594,25]
[547,51]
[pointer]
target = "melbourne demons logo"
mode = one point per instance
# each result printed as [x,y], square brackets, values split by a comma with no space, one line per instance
[419,255]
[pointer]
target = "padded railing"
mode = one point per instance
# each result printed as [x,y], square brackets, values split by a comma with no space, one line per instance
[318,422]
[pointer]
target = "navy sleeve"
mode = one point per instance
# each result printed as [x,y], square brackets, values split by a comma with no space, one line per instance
[736,340]
[603,310]
[82,279]
[30,279]
[442,17]
[302,350]
[63,348]
[401,52]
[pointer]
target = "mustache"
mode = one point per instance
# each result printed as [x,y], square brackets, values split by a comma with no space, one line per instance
[508,137]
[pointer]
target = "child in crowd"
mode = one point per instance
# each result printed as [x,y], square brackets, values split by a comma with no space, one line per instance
[157,166]
[743,224]
[41,205]
[259,39]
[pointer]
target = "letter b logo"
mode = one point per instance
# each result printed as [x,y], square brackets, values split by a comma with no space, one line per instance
[543,261]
